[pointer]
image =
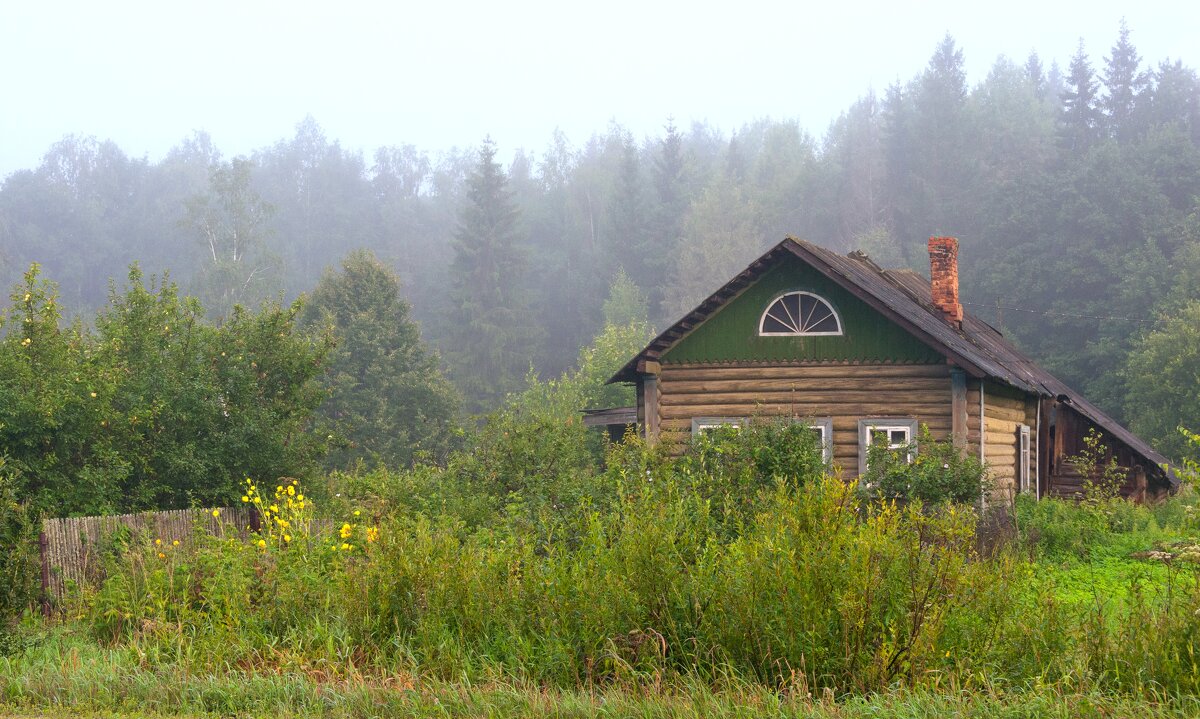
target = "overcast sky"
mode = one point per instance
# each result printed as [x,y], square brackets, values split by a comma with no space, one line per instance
[440,74]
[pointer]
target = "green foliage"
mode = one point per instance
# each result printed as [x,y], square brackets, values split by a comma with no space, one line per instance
[154,408]
[18,555]
[927,470]
[1102,476]
[730,466]
[387,395]
[490,336]
[1162,374]
[231,222]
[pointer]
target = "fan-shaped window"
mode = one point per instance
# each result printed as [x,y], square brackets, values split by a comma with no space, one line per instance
[799,313]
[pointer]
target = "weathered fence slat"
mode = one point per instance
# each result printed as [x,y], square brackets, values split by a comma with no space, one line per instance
[70,547]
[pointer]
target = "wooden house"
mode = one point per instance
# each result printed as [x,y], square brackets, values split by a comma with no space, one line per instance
[864,354]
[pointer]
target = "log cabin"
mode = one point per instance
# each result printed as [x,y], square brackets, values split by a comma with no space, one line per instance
[863,354]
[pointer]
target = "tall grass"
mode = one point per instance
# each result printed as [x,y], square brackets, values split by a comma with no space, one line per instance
[741,567]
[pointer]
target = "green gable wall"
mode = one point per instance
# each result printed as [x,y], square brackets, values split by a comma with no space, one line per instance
[732,333]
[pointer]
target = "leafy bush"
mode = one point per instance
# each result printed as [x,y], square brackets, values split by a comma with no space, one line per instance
[938,472]
[155,408]
[18,555]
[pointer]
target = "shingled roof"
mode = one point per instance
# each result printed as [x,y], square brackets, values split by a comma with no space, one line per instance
[904,297]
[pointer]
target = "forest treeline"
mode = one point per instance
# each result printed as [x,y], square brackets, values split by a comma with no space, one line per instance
[1074,192]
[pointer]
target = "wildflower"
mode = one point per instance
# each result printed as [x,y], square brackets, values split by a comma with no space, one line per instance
[291,490]
[301,497]
[372,534]
[25,342]
[345,546]
[157,542]
[356,513]
[274,508]
[93,395]
[27,296]
[175,543]
[279,488]
[347,530]
[262,544]
[216,513]
[161,555]
[245,498]
[287,537]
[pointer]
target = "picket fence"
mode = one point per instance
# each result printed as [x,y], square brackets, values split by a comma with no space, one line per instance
[72,548]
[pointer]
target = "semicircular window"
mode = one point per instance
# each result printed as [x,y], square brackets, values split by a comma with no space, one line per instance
[799,313]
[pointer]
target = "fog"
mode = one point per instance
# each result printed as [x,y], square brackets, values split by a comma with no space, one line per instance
[439,75]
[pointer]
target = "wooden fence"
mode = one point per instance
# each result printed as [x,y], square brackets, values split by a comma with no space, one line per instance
[71,548]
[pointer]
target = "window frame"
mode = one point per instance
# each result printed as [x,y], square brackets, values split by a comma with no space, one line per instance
[868,427]
[837,317]
[1024,450]
[703,424]
[825,425]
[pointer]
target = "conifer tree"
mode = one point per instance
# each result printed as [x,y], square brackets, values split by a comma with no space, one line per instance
[1124,83]
[631,246]
[490,335]
[387,394]
[1079,120]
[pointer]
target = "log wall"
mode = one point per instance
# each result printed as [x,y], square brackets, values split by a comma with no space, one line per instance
[1004,411]
[844,392]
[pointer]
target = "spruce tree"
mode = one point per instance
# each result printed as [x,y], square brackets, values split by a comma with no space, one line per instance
[491,338]
[1079,120]
[1123,85]
[387,396]
[631,245]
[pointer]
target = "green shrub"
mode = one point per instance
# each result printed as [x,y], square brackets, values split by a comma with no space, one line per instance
[927,470]
[18,556]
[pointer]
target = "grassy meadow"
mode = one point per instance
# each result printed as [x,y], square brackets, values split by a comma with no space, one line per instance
[741,579]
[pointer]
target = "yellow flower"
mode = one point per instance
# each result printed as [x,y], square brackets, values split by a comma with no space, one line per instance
[216,513]
[301,498]
[345,546]
[274,507]
[347,530]
[262,544]
[27,296]
[291,490]
[175,543]
[25,342]
[161,555]
[287,537]
[157,542]
[356,513]
[245,498]
[372,534]
[93,395]
[279,488]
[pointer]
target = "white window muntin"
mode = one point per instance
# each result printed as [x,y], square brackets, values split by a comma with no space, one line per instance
[701,425]
[800,322]
[1023,483]
[899,432]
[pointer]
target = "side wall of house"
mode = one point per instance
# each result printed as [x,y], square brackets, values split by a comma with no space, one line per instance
[844,392]
[1003,411]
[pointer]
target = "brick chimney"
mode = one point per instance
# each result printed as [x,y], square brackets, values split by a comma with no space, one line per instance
[943,275]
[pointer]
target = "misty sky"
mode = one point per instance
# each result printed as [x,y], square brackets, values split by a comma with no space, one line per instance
[439,74]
